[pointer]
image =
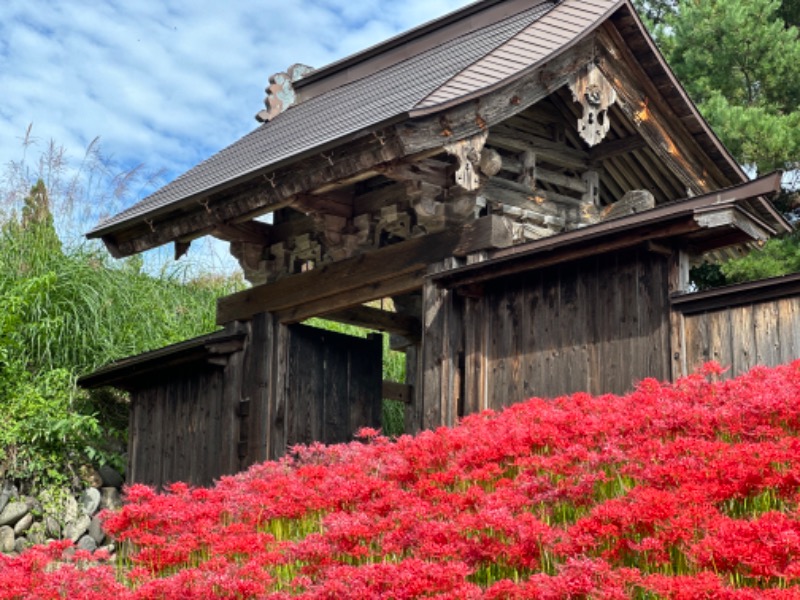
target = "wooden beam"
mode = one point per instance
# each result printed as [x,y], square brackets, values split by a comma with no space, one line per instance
[643,104]
[613,148]
[252,232]
[370,317]
[402,392]
[502,190]
[569,254]
[268,190]
[557,153]
[474,116]
[403,283]
[357,280]
[435,172]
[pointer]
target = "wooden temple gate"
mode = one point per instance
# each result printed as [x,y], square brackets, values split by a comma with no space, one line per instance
[526,183]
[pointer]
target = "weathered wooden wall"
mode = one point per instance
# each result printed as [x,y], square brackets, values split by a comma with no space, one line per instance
[287,385]
[595,325]
[179,430]
[741,326]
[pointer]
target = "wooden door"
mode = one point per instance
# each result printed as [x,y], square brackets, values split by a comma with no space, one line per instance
[333,385]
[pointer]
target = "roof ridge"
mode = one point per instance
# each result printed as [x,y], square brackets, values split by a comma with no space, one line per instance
[415,41]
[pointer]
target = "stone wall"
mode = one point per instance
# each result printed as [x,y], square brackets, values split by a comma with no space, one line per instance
[57,514]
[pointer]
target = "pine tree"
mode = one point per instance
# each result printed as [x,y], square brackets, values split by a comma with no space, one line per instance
[739,61]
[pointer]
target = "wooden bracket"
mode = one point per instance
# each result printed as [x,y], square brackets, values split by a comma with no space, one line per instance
[595,94]
[468,153]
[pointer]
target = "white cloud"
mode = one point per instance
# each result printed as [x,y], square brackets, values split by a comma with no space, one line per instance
[167,83]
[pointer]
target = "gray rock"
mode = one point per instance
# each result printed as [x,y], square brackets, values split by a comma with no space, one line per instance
[96,532]
[20,544]
[13,512]
[111,477]
[6,539]
[89,501]
[32,503]
[8,492]
[52,527]
[69,510]
[59,504]
[91,477]
[75,530]
[87,543]
[23,524]
[36,534]
[110,498]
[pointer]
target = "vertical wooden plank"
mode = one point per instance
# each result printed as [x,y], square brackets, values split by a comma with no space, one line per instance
[719,348]
[219,450]
[305,374]
[654,308]
[189,411]
[157,437]
[171,391]
[413,410]
[335,375]
[499,328]
[785,309]
[596,321]
[794,326]
[135,434]
[631,364]
[279,412]
[549,334]
[473,354]
[572,325]
[697,348]
[366,375]
[530,369]
[678,359]
[430,375]
[441,343]
[743,339]
[765,325]
[256,384]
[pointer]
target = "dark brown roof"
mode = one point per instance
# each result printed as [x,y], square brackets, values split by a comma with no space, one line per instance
[481,47]
[354,107]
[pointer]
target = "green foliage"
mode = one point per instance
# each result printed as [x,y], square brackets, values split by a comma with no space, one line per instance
[67,311]
[738,61]
[779,256]
[707,275]
[656,13]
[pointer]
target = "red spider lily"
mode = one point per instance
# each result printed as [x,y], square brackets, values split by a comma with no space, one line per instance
[677,491]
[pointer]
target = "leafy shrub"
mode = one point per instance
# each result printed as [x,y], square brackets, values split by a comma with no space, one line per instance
[65,311]
[779,256]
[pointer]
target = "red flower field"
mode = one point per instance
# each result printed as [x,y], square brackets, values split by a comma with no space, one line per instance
[687,490]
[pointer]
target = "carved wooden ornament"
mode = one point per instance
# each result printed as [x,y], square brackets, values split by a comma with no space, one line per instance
[595,94]
[468,153]
[280,92]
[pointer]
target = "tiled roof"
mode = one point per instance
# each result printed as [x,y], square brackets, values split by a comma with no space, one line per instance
[345,110]
[567,22]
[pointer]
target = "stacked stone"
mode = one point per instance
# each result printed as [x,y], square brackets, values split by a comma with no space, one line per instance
[26,520]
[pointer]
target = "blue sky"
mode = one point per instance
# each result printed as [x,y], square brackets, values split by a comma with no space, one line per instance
[165,83]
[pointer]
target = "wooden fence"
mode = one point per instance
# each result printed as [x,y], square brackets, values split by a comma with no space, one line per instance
[739,326]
